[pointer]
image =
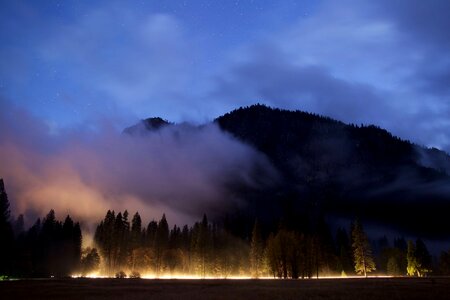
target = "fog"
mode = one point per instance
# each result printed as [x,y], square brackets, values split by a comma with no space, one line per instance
[181,170]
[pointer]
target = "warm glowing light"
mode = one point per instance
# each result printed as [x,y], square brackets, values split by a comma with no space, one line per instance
[189,276]
[353,277]
[90,275]
[197,277]
[172,276]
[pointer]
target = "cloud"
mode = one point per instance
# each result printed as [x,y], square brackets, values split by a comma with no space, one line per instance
[126,58]
[427,21]
[181,170]
[280,83]
[358,61]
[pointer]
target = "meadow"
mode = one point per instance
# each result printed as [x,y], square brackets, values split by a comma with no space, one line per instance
[367,289]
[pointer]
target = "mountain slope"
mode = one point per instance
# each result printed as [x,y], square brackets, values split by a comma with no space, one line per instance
[348,170]
[147,124]
[340,171]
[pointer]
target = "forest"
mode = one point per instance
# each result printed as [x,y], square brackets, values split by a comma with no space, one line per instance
[343,169]
[124,248]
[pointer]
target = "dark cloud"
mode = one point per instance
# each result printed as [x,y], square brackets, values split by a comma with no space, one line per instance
[358,61]
[425,21]
[424,25]
[313,88]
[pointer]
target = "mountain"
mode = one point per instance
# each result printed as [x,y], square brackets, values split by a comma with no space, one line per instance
[342,171]
[147,124]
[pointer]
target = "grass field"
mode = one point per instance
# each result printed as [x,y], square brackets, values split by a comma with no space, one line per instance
[366,289]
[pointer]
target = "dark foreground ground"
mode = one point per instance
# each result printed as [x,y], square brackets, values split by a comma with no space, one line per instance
[366,289]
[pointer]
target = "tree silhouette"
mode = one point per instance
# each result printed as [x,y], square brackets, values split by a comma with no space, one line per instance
[136,231]
[444,263]
[419,259]
[201,245]
[423,257]
[104,238]
[344,251]
[6,234]
[161,243]
[135,240]
[90,261]
[256,251]
[413,267]
[362,252]
[284,254]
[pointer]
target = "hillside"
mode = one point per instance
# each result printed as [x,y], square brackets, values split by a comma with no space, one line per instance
[340,171]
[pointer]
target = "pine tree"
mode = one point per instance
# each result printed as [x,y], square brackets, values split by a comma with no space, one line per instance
[444,263]
[393,267]
[284,254]
[68,263]
[6,233]
[161,243]
[77,241]
[418,258]
[344,251]
[90,261]
[256,251]
[362,252]
[413,267]
[202,245]
[104,238]
[19,226]
[150,237]
[48,259]
[135,240]
[136,231]
[120,242]
[423,257]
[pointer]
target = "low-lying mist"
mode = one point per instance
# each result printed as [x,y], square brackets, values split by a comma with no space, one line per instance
[181,170]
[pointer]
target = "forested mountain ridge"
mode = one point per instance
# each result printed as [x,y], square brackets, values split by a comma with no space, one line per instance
[350,170]
[334,169]
[149,124]
[327,142]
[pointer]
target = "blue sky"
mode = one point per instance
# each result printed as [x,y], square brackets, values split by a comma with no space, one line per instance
[70,63]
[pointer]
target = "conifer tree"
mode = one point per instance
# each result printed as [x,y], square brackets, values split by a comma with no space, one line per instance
[423,257]
[362,252]
[393,267]
[161,243]
[256,251]
[202,245]
[344,252]
[90,261]
[444,263]
[150,237]
[19,225]
[104,238]
[135,241]
[413,267]
[68,247]
[136,231]
[77,241]
[6,234]
[418,258]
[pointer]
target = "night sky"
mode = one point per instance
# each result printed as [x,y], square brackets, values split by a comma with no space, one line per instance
[383,62]
[73,74]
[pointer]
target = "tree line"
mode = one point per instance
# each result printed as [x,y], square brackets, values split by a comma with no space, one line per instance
[210,250]
[48,248]
[131,248]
